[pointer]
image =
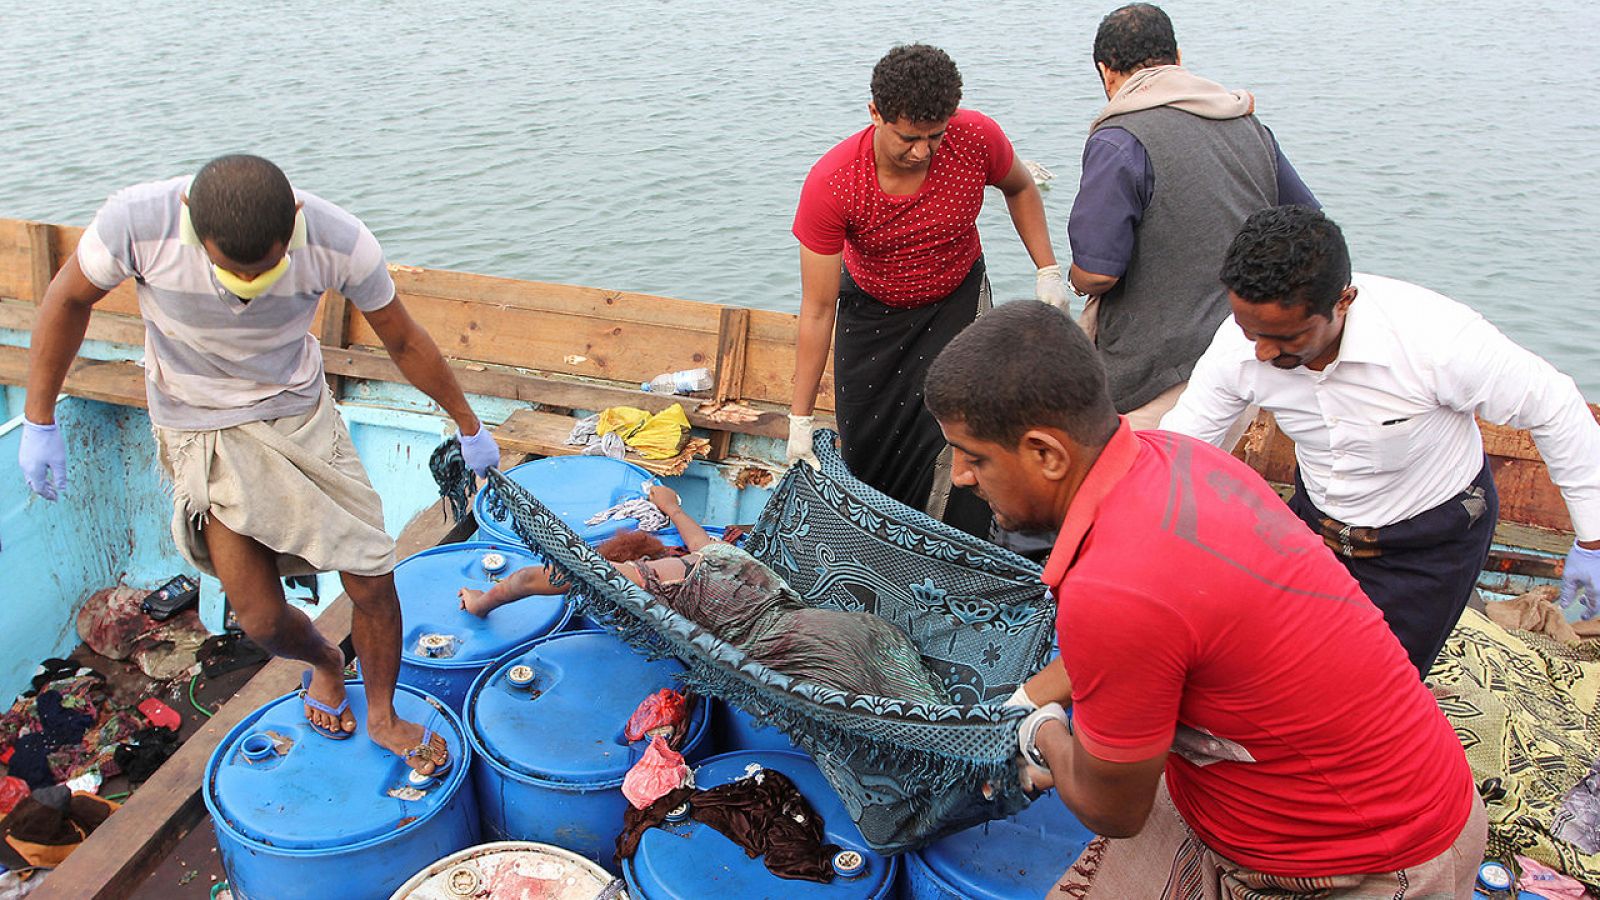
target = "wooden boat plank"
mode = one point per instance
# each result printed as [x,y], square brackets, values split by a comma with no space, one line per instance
[95,379]
[554,340]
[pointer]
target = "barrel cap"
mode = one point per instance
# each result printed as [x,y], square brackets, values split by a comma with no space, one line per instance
[438,633]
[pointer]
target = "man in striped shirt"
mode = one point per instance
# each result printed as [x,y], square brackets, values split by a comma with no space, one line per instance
[230,267]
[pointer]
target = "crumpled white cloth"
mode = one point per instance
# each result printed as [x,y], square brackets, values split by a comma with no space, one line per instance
[650,518]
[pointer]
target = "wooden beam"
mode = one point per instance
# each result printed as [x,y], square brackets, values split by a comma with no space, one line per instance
[565,393]
[41,257]
[733,339]
[93,379]
[112,327]
[122,853]
[335,331]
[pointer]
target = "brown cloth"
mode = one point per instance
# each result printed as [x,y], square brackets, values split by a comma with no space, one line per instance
[1537,611]
[48,825]
[765,814]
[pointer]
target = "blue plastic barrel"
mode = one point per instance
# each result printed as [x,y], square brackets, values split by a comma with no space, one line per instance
[298,815]
[445,647]
[1020,858]
[552,747]
[733,729]
[574,488]
[688,860]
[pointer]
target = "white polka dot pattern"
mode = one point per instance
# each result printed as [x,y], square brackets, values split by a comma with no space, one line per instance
[912,250]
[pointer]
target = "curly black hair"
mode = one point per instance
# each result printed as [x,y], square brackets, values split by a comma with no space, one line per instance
[916,83]
[1023,365]
[244,204]
[1290,255]
[1136,36]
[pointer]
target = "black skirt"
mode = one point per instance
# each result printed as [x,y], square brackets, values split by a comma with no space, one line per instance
[881,356]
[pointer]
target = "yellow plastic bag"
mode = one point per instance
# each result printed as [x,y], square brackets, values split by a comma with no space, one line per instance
[653,437]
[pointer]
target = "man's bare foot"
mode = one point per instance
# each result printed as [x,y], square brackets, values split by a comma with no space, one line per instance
[404,739]
[472,602]
[327,688]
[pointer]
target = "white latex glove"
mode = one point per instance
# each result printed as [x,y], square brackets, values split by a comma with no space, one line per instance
[800,449]
[1021,698]
[1049,287]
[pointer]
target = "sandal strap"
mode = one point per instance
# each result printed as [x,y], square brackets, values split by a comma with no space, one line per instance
[318,705]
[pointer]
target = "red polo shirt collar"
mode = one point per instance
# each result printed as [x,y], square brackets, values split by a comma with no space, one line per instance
[1107,472]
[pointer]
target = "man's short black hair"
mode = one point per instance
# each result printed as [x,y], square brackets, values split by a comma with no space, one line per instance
[1290,255]
[1134,37]
[1024,365]
[244,204]
[916,83]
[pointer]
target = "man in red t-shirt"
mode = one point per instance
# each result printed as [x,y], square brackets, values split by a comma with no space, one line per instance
[891,269]
[1206,636]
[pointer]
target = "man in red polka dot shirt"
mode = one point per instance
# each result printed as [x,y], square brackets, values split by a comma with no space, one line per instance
[891,268]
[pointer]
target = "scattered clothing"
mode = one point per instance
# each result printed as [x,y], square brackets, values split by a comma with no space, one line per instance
[733,595]
[1527,709]
[659,772]
[650,518]
[635,822]
[767,815]
[764,813]
[658,436]
[610,446]
[585,431]
[1540,879]
[55,669]
[143,752]
[664,713]
[228,652]
[12,789]
[48,825]
[30,760]
[1166,852]
[70,728]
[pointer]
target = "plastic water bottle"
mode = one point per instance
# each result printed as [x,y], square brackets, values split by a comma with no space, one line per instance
[684,382]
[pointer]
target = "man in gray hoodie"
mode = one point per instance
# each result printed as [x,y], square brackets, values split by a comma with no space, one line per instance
[1173,166]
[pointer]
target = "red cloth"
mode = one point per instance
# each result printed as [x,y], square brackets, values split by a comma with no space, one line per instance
[11,791]
[905,251]
[658,773]
[1191,596]
[666,710]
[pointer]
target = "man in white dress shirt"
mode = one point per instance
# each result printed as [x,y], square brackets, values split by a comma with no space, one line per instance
[1377,382]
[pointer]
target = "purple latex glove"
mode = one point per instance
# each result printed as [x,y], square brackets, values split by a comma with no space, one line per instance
[43,458]
[479,451]
[1581,574]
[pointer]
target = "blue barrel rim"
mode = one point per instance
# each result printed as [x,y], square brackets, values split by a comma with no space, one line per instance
[888,886]
[407,657]
[699,721]
[497,529]
[454,779]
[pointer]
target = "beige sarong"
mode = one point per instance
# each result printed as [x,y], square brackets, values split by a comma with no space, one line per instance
[295,484]
[1166,861]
